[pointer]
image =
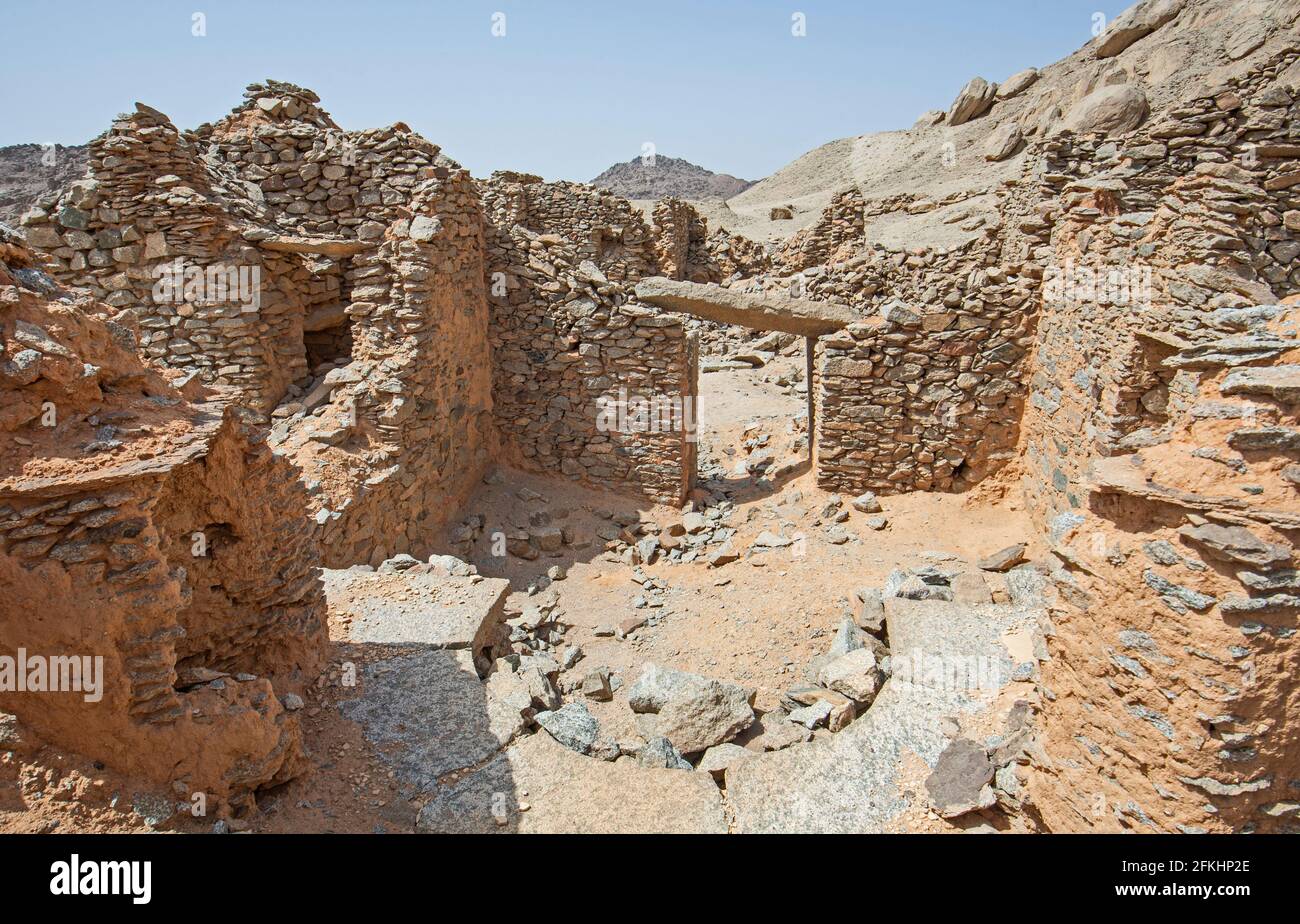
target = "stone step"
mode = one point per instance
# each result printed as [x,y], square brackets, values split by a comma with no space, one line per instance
[419,609]
[1279,382]
[858,780]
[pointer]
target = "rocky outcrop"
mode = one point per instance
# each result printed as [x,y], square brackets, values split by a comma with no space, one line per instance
[1110,110]
[1004,141]
[1138,21]
[1017,83]
[973,101]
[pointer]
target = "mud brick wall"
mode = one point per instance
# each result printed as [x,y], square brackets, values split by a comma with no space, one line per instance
[86,570]
[1155,463]
[566,334]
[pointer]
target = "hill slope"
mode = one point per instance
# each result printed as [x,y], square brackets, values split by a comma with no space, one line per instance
[26,173]
[1204,42]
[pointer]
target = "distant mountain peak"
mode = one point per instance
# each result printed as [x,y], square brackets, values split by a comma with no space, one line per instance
[643,178]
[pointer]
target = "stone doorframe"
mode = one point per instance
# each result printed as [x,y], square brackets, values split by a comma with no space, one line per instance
[761,311]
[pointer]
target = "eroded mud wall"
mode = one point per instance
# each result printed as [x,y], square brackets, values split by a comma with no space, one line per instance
[103,464]
[1160,462]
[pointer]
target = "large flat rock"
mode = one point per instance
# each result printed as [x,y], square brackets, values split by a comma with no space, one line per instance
[853,782]
[428,714]
[419,609]
[567,793]
[769,311]
[326,246]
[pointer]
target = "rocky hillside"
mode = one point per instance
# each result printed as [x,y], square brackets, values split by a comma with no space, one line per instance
[1138,70]
[28,170]
[669,176]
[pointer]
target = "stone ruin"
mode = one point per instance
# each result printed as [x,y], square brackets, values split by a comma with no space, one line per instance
[411,326]
[101,507]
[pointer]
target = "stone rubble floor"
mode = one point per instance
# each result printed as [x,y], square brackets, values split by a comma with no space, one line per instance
[420,731]
[405,736]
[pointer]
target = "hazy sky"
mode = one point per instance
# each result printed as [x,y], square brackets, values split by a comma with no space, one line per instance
[571,87]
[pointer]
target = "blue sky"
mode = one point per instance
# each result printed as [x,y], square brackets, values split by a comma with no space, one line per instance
[571,87]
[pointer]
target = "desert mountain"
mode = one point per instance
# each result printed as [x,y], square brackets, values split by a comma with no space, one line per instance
[1161,50]
[668,176]
[29,170]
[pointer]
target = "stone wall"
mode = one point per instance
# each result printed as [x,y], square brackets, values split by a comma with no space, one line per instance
[926,392]
[686,249]
[599,225]
[1202,206]
[1159,450]
[368,335]
[151,528]
[262,194]
[923,396]
[840,231]
[570,343]
[393,441]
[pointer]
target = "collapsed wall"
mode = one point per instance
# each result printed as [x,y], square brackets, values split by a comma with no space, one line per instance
[1160,447]
[153,529]
[587,382]
[686,250]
